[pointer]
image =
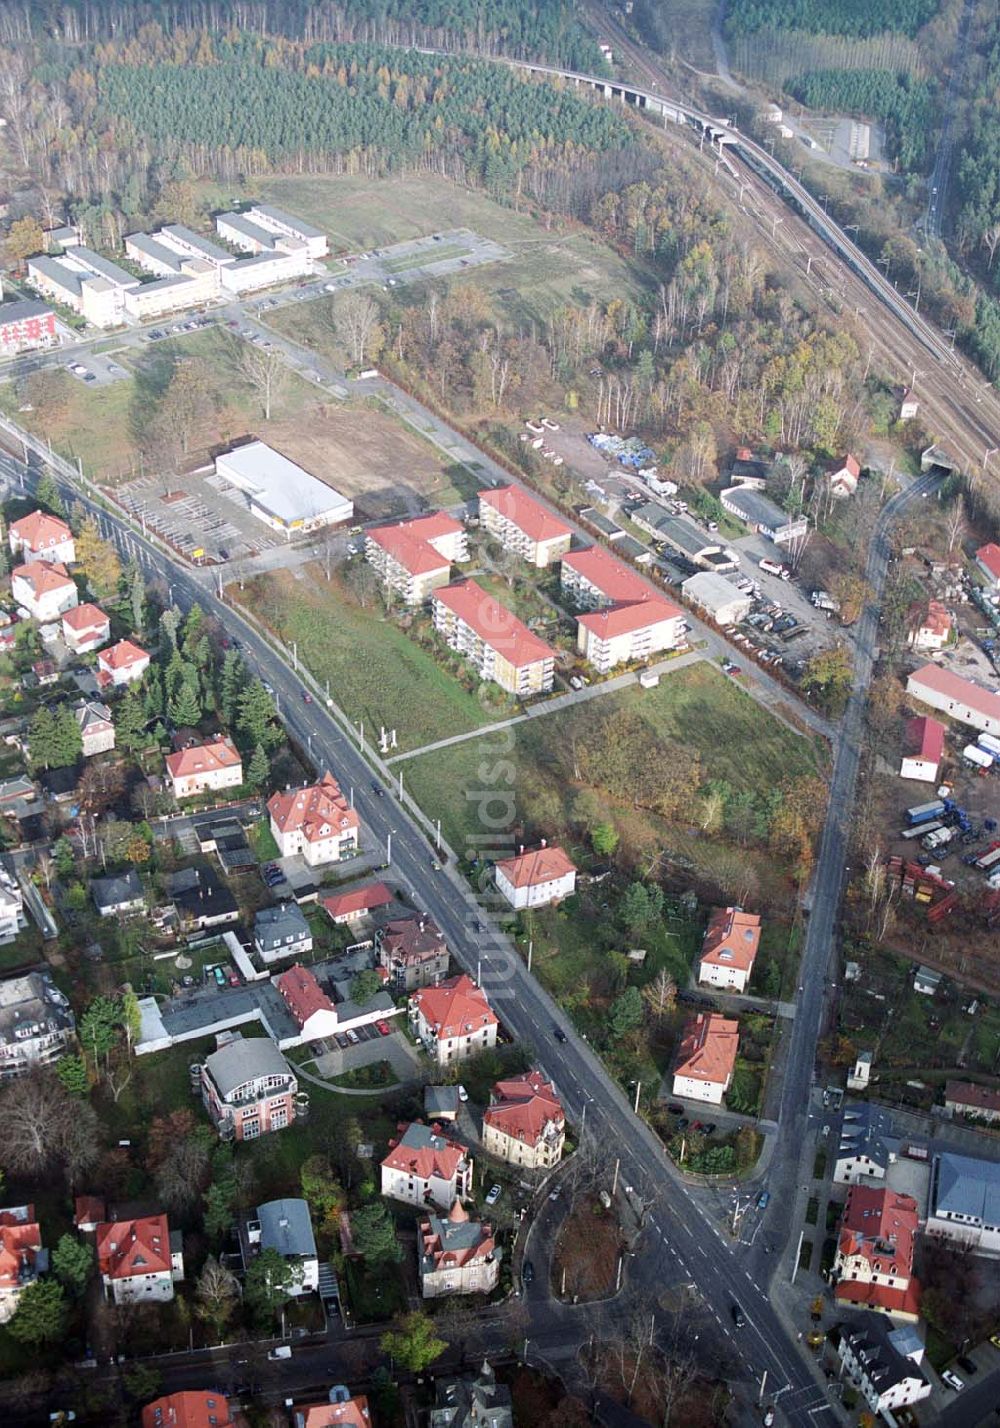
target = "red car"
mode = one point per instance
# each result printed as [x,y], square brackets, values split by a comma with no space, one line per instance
[234,980]
[307,696]
[383,1028]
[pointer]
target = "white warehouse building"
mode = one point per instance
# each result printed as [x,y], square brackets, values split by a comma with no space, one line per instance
[281,494]
[718,597]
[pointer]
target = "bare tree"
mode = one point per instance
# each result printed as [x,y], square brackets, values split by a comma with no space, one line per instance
[661,993]
[990,240]
[673,1378]
[45,1127]
[181,1177]
[217,1294]
[356,322]
[267,373]
[956,516]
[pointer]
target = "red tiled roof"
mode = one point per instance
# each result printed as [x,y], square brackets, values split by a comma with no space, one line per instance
[850,465]
[432,1247]
[410,542]
[302,993]
[524,1107]
[203,758]
[455,1007]
[192,1409]
[615,581]
[20,1242]
[708,1049]
[731,938]
[42,576]
[989,555]
[961,691]
[39,531]
[318,810]
[975,1097]
[133,1247]
[626,618]
[890,1300]
[422,1153]
[86,617]
[88,1210]
[359,900]
[493,623]
[516,505]
[121,656]
[925,739]
[937,619]
[355,1413]
[542,865]
[880,1226]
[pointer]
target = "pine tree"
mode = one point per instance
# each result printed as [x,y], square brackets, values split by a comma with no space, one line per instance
[152,692]
[131,721]
[259,770]
[232,681]
[54,738]
[47,494]
[194,630]
[170,622]
[184,707]
[256,716]
[137,596]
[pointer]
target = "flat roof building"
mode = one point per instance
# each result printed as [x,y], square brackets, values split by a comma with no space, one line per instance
[279,492]
[718,597]
[762,515]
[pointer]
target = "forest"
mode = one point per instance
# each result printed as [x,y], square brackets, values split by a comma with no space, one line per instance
[978,168]
[861,18]
[904,104]
[545,29]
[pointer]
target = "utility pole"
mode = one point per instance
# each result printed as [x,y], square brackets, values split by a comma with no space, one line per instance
[437,834]
[763,1381]
[388,851]
[614,1178]
[531,944]
[638,1088]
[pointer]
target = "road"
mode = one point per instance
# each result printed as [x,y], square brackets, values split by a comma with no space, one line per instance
[937,188]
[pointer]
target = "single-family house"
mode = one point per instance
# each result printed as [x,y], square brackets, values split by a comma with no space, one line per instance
[201,900]
[842,477]
[315,821]
[453,1020]
[89,1211]
[314,1012]
[523,525]
[413,952]
[340,1410]
[43,589]
[36,1023]
[988,560]
[924,749]
[537,878]
[85,628]
[120,895]
[97,730]
[968,1098]
[873,1267]
[478,1402]
[139,1260]
[423,1168]
[248,1088]
[281,932]
[39,536]
[190,1408]
[204,768]
[930,626]
[749,470]
[414,557]
[123,663]
[882,1363]
[442,1103]
[498,645]
[706,1058]
[356,905]
[525,1123]
[959,698]
[729,948]
[867,1145]
[927,981]
[964,1203]
[22,1257]
[456,1254]
[286,1226]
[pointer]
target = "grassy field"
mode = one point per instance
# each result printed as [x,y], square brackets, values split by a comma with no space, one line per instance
[395,683]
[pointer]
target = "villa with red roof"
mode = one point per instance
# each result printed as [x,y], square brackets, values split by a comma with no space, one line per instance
[525,1123]
[85,628]
[843,477]
[425,1168]
[20,1255]
[312,1009]
[193,1408]
[453,1020]
[493,640]
[40,536]
[706,1058]
[930,626]
[523,525]
[535,879]
[456,1254]
[204,768]
[988,560]
[43,589]
[729,949]
[874,1261]
[315,821]
[959,698]
[924,749]
[624,619]
[358,903]
[415,557]
[139,1260]
[124,663]
[339,1410]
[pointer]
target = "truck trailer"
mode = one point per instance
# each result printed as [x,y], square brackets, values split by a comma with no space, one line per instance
[921,829]
[924,812]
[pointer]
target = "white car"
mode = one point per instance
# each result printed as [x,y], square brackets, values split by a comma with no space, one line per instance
[493,1194]
[952,1380]
[463,1094]
[329,287]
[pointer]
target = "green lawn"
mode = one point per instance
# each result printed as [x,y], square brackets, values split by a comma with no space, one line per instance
[376,671]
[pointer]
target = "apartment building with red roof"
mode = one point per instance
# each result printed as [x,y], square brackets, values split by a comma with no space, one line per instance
[414,557]
[39,536]
[357,904]
[525,1123]
[923,742]
[512,516]
[314,1012]
[204,768]
[706,1058]
[456,1254]
[139,1260]
[194,1408]
[85,628]
[124,663]
[729,948]
[534,879]
[959,698]
[424,1167]
[453,1020]
[316,822]
[21,1255]
[988,560]
[494,641]
[44,590]
[624,618]
[875,1247]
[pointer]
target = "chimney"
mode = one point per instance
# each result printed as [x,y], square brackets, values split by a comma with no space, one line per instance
[543,843]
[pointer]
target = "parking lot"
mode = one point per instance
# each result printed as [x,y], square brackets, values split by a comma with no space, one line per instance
[338,1054]
[96,369]
[201,512]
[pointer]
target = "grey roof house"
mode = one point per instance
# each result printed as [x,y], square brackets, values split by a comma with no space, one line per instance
[964,1203]
[883,1363]
[121,894]
[868,1144]
[285,1226]
[478,1402]
[280,932]
[36,1023]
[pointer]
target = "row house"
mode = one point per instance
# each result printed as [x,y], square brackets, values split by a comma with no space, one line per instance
[121,664]
[706,1058]
[248,1088]
[537,878]
[22,1257]
[968,1098]
[729,948]
[415,557]
[44,589]
[525,1123]
[85,628]
[456,1255]
[425,1168]
[624,619]
[523,525]
[26,326]
[453,1020]
[39,536]
[139,1260]
[315,822]
[204,768]
[413,952]
[494,641]
[874,1260]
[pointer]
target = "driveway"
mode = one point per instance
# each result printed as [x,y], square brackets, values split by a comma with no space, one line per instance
[400,1054]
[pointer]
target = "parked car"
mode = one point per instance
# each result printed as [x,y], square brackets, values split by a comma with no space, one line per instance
[964,1362]
[675,1108]
[220,976]
[383,1028]
[463,1094]
[952,1380]
[527,1272]
[493,1194]
[234,979]
[283,1351]
[683,1123]
[763,1199]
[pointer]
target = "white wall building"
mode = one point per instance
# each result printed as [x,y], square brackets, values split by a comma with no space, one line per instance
[280,493]
[537,878]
